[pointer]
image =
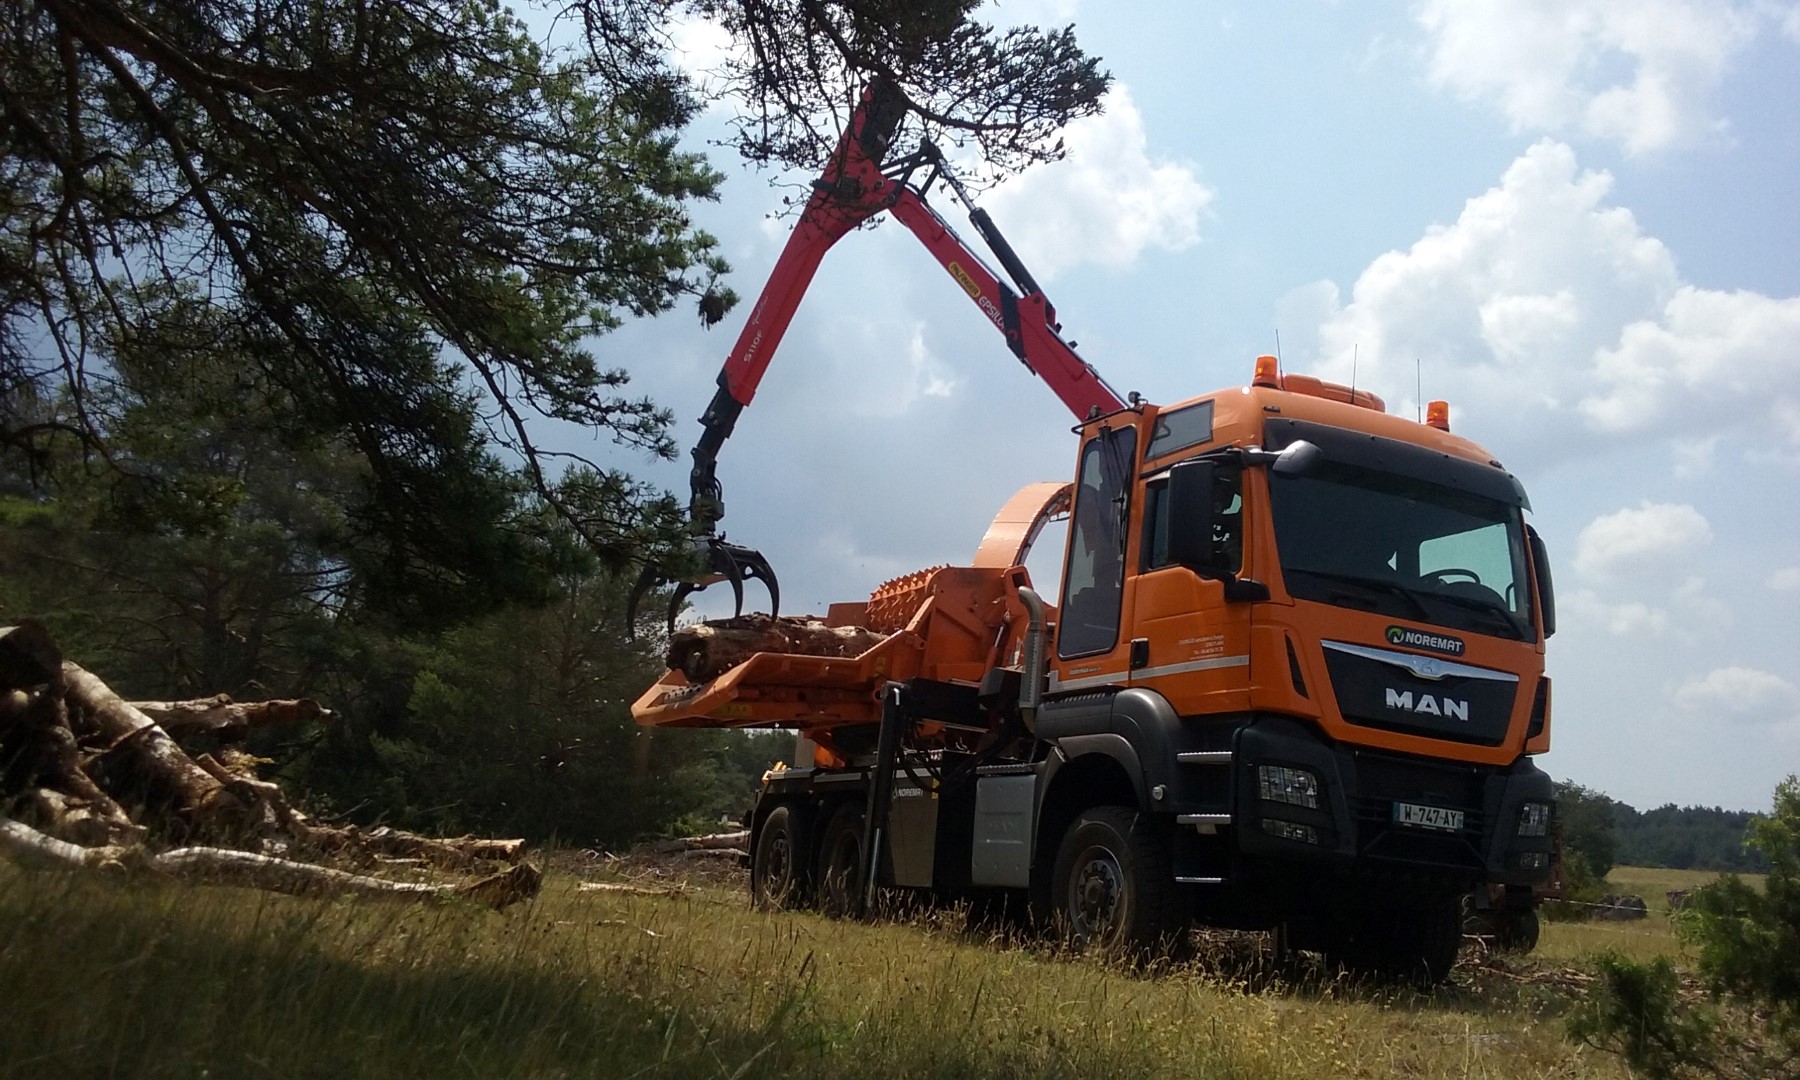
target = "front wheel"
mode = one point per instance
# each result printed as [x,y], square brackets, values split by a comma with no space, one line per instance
[1113,889]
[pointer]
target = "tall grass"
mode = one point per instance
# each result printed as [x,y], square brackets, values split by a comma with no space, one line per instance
[115,980]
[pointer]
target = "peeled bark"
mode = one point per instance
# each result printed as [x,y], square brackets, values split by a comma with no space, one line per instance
[455,853]
[711,842]
[708,649]
[221,866]
[77,761]
[151,766]
[226,719]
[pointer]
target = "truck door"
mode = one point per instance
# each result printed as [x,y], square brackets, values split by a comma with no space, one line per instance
[1089,648]
[1187,642]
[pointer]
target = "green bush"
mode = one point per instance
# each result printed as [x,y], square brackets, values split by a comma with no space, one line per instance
[1748,953]
[1581,888]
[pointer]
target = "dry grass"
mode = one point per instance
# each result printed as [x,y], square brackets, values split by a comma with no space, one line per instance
[184,981]
[1639,940]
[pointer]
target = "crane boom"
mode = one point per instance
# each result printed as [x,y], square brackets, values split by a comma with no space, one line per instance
[854,188]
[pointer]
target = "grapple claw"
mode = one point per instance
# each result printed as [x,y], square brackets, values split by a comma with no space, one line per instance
[720,561]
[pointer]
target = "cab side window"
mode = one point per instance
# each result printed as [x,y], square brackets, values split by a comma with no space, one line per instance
[1094,581]
[1228,529]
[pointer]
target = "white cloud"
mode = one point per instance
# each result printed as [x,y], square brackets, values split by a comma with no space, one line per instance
[912,372]
[699,46]
[1107,202]
[1548,313]
[1621,619]
[1786,579]
[1694,457]
[1706,351]
[1652,534]
[1642,73]
[1703,612]
[1739,693]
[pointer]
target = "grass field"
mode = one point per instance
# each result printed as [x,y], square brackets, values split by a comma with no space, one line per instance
[105,979]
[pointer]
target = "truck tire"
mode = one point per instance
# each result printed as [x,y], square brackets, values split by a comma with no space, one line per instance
[1516,931]
[840,862]
[1413,944]
[781,872]
[1113,888]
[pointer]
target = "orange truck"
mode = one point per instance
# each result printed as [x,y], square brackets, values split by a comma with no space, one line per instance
[1294,681]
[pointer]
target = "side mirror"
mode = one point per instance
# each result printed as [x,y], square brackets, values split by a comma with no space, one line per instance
[1190,516]
[1546,589]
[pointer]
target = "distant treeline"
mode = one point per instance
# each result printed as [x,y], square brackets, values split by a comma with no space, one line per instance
[1606,833]
[1686,838]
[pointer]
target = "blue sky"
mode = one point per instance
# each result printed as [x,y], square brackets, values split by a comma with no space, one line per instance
[1577,218]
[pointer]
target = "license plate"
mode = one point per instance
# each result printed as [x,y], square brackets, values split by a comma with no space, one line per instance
[1428,817]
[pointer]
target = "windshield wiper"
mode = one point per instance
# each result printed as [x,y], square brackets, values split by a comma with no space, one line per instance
[1486,607]
[1406,595]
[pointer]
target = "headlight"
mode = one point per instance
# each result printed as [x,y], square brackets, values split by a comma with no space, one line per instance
[1278,783]
[1534,819]
[1289,830]
[1533,860]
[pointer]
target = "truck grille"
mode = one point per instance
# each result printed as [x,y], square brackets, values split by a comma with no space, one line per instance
[1383,781]
[1375,688]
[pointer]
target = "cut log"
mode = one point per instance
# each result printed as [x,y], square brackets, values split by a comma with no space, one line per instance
[455,853]
[707,649]
[713,841]
[30,847]
[226,719]
[149,765]
[630,890]
[713,853]
[221,866]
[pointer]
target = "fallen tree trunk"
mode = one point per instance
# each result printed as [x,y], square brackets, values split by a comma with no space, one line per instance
[158,770]
[89,780]
[222,866]
[454,853]
[712,841]
[707,649]
[226,719]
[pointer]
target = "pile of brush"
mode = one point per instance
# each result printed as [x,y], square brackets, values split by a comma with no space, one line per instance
[90,780]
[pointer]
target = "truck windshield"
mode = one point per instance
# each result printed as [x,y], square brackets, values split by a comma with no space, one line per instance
[1356,537]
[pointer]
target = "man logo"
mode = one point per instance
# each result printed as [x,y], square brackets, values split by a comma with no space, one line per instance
[1426,705]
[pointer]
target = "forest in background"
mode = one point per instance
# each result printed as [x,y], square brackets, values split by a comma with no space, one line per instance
[511,722]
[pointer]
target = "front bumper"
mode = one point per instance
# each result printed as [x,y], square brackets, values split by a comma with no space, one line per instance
[1355,826]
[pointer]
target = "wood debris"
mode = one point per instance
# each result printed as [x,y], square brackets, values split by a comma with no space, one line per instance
[91,781]
[706,650]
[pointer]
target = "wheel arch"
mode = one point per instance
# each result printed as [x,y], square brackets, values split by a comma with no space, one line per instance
[1088,771]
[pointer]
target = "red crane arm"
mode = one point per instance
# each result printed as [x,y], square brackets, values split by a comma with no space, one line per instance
[853,189]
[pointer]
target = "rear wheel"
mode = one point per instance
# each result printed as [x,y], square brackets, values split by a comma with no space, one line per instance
[1113,889]
[780,872]
[840,866]
[1516,931]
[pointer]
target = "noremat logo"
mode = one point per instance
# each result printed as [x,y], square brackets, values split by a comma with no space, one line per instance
[1419,639]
